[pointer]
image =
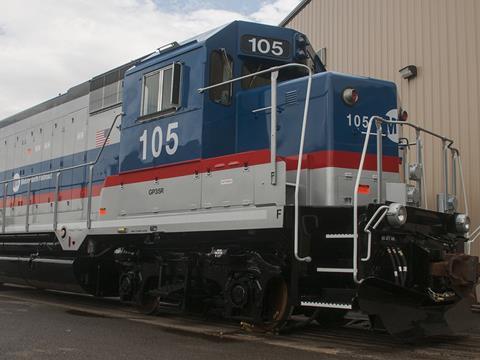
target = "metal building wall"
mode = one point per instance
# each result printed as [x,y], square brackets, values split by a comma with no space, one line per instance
[442,38]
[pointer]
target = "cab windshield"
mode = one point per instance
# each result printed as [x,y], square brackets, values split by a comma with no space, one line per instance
[252,66]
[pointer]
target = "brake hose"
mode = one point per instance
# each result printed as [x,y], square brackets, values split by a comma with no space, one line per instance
[399,266]
[394,265]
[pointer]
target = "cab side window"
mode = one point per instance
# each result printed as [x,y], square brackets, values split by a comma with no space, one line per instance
[161,90]
[221,69]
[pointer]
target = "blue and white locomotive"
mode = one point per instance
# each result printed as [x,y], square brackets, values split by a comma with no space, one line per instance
[232,174]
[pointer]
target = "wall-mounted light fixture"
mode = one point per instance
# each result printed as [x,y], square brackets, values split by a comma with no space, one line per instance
[409,72]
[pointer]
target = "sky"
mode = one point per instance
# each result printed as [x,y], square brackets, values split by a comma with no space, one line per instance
[48,46]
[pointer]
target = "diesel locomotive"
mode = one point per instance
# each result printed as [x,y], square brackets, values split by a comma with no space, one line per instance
[231,174]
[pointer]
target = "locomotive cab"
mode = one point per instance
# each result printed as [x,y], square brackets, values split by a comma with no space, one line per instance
[168,123]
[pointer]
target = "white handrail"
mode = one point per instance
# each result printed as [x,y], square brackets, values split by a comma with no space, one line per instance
[299,168]
[448,142]
[302,138]
[369,232]
[355,201]
[472,237]
[475,233]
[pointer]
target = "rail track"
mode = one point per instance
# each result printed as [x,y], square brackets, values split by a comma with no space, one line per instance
[332,342]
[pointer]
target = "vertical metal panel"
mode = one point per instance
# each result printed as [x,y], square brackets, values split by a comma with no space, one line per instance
[442,38]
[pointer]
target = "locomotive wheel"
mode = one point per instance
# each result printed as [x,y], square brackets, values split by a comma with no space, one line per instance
[147,302]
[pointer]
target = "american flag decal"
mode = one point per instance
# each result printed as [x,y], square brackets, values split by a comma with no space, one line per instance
[100,137]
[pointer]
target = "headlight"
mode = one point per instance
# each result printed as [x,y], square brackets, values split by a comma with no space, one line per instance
[396,215]
[462,223]
[350,96]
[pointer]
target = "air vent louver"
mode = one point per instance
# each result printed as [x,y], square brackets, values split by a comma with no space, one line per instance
[291,97]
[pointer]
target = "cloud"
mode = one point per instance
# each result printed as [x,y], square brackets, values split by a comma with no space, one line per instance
[274,12]
[52,45]
[243,7]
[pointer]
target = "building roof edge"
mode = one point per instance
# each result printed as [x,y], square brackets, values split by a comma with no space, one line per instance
[294,12]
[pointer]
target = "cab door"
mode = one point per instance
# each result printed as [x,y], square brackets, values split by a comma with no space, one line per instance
[219,119]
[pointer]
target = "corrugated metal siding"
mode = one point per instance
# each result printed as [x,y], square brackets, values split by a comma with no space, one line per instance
[442,38]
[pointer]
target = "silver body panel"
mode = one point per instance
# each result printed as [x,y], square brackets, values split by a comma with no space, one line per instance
[60,131]
[333,186]
[218,189]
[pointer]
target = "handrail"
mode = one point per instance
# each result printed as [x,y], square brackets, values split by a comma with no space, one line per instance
[4,206]
[57,183]
[273,145]
[464,191]
[474,234]
[447,142]
[368,231]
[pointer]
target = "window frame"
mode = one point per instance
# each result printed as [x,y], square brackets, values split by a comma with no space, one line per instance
[173,107]
[223,54]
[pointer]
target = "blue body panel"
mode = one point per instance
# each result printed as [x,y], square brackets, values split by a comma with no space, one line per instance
[188,116]
[328,125]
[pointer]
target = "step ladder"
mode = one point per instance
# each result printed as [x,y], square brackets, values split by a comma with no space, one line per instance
[337,270]
[328,305]
[322,302]
[330,298]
